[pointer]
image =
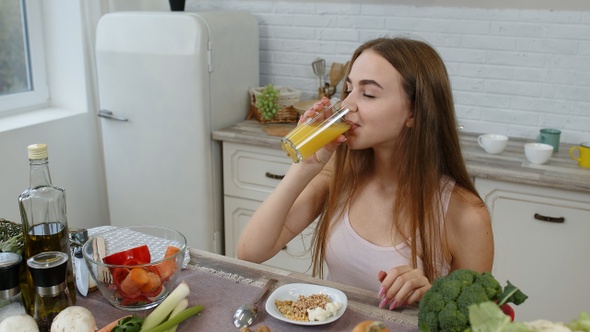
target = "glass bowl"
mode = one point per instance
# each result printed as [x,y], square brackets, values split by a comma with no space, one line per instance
[135,268]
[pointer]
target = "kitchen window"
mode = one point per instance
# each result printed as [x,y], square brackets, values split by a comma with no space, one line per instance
[23,83]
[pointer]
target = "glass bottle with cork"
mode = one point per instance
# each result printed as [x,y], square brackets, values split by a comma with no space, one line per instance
[43,217]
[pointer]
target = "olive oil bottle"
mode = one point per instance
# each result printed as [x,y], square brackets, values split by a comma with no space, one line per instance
[45,228]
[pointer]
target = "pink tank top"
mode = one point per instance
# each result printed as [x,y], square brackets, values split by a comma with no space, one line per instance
[354,261]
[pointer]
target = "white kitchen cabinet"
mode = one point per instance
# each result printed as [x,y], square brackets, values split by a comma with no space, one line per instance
[250,173]
[542,246]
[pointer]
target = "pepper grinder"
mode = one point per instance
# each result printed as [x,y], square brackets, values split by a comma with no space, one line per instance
[48,270]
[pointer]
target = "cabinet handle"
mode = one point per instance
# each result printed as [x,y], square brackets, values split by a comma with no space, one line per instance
[274,176]
[549,219]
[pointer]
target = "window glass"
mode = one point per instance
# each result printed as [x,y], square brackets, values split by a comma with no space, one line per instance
[22,73]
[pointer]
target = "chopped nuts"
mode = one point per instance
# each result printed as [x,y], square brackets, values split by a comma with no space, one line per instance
[297,310]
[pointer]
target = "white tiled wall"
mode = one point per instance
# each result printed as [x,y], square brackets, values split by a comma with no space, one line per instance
[513,70]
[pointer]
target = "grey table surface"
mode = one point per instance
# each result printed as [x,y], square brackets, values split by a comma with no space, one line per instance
[561,171]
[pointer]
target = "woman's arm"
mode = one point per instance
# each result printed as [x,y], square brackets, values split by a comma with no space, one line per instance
[289,209]
[292,206]
[469,232]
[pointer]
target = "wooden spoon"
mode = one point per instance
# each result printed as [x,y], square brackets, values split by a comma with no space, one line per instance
[337,72]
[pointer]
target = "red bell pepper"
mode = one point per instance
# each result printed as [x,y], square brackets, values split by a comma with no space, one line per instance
[140,254]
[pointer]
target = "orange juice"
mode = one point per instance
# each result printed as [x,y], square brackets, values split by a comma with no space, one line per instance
[306,139]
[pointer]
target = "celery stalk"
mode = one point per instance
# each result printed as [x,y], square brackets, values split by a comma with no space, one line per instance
[174,321]
[165,308]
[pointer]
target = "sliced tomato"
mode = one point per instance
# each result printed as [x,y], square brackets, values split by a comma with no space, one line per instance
[119,274]
[139,254]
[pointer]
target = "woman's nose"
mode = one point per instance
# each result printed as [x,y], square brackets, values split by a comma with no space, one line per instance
[349,104]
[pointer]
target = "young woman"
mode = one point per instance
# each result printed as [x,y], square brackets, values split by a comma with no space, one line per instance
[395,203]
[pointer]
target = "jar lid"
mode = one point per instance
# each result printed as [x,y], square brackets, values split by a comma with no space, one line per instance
[48,268]
[37,151]
[9,270]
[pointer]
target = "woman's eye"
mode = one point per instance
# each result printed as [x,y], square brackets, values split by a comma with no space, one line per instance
[368,95]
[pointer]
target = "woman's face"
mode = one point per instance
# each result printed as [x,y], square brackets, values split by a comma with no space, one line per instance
[379,105]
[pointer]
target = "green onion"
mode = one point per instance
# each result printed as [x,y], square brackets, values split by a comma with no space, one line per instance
[165,308]
[181,317]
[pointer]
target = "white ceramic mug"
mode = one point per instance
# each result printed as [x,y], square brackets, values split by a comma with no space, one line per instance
[493,143]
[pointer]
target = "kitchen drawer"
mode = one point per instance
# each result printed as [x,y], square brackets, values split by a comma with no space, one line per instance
[296,255]
[252,172]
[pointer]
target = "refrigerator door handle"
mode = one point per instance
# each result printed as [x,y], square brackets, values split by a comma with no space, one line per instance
[109,115]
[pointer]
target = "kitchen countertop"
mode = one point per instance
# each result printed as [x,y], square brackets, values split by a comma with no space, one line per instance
[561,171]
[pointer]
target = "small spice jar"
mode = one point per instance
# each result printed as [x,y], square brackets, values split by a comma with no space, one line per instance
[10,296]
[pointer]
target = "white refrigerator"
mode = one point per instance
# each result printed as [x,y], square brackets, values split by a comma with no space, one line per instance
[166,80]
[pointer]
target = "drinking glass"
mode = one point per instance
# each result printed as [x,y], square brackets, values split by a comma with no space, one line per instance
[311,135]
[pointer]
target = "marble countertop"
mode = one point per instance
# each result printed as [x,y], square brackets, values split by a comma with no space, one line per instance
[561,171]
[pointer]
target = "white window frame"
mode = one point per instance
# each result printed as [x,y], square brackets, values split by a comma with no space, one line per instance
[38,97]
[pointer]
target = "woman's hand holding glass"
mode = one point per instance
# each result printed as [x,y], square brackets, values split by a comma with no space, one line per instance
[318,116]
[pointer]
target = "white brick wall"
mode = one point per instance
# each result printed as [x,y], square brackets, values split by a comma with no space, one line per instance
[513,71]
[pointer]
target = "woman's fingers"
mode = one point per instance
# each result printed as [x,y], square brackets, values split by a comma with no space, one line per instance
[401,286]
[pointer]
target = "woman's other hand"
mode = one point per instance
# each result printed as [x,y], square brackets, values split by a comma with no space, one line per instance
[401,286]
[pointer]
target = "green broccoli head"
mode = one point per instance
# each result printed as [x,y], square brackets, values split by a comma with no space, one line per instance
[489,284]
[451,319]
[472,294]
[445,306]
[429,307]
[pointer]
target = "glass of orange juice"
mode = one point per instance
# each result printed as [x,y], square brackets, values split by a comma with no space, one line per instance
[316,132]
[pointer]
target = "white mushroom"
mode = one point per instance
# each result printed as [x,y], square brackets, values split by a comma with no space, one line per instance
[74,319]
[20,323]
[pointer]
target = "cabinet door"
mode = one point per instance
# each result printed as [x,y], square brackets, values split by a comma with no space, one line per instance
[536,250]
[296,255]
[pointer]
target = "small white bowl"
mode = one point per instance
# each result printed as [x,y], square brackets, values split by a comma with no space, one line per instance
[538,153]
[493,143]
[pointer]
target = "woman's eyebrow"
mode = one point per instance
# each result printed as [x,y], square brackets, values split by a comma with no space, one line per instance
[366,82]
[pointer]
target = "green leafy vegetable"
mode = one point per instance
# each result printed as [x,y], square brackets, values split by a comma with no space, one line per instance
[11,237]
[488,317]
[511,294]
[582,323]
[445,306]
[129,324]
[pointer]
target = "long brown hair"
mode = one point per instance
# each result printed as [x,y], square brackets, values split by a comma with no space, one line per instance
[428,152]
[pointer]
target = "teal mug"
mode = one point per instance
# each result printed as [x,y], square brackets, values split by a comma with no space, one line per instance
[549,136]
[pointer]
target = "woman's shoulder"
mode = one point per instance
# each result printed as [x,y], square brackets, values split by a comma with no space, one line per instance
[465,207]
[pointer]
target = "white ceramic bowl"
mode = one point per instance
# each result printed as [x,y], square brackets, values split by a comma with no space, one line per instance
[493,143]
[538,153]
